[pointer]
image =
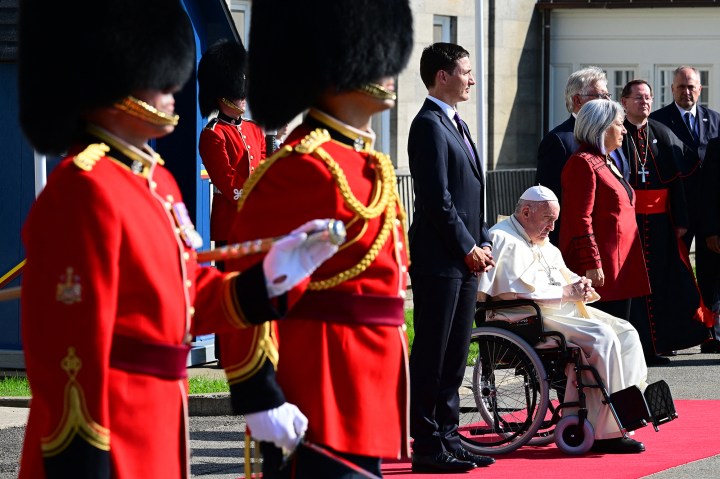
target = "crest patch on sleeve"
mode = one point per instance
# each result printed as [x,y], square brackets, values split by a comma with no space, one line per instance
[69,289]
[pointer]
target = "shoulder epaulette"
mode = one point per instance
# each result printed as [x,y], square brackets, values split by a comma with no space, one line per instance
[312,141]
[86,159]
[211,124]
[249,120]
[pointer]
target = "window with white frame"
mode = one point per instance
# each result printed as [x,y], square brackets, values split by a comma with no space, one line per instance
[240,11]
[617,78]
[663,86]
[444,29]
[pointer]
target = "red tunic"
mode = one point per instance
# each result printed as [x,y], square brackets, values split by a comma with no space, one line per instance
[230,154]
[598,227]
[342,350]
[110,269]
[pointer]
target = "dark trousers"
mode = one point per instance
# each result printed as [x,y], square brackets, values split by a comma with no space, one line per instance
[444,309]
[309,464]
[707,269]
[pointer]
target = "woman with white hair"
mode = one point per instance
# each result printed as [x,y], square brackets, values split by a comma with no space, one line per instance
[598,235]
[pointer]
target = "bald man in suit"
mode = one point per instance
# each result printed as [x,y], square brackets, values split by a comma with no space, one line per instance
[695,125]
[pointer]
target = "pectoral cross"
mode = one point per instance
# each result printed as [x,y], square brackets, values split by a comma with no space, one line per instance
[643,172]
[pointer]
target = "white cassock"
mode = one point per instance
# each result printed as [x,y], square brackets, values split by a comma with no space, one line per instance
[611,345]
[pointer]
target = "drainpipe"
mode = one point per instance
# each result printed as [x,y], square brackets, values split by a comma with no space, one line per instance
[545,71]
[481,133]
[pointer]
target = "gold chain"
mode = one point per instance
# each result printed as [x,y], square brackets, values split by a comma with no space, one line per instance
[385,198]
[387,184]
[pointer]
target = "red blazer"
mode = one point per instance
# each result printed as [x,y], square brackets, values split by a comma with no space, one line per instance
[598,227]
[341,353]
[230,154]
[111,295]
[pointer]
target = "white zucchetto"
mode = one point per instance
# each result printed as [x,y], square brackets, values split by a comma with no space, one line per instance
[539,193]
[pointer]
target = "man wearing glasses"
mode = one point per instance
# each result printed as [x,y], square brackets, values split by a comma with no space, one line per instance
[559,144]
[671,317]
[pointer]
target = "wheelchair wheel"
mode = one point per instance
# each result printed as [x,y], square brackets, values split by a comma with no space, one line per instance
[504,399]
[573,439]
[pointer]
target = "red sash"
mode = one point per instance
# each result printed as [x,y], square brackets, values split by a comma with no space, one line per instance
[651,202]
[350,308]
[168,361]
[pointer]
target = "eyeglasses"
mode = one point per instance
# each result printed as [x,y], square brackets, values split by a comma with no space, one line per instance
[604,96]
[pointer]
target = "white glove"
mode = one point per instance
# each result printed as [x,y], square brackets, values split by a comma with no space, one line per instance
[284,426]
[295,257]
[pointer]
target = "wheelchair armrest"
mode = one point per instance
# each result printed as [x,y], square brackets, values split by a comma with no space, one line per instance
[482,306]
[532,331]
[506,303]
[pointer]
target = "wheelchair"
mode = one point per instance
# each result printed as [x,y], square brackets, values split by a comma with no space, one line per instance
[513,394]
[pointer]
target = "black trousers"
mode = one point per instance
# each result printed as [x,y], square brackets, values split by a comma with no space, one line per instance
[309,464]
[707,269]
[444,310]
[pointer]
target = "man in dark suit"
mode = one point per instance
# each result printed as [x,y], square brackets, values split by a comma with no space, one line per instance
[559,144]
[449,246]
[709,228]
[695,125]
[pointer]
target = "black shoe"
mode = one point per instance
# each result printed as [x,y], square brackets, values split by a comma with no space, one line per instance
[710,346]
[479,461]
[441,462]
[618,445]
[656,360]
[669,354]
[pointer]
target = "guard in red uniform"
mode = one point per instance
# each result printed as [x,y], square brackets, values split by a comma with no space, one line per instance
[341,354]
[231,146]
[112,291]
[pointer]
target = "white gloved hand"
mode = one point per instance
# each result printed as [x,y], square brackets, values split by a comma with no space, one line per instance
[284,426]
[295,257]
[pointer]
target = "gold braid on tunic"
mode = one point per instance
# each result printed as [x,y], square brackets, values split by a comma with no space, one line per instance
[385,198]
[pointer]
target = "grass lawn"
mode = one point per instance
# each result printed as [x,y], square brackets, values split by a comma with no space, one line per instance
[12,386]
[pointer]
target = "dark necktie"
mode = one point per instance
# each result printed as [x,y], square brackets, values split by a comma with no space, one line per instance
[458,121]
[689,123]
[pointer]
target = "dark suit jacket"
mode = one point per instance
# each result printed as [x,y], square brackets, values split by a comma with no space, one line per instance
[448,183]
[708,126]
[693,155]
[710,193]
[554,150]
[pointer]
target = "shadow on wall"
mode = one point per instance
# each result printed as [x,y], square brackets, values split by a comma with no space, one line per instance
[517,147]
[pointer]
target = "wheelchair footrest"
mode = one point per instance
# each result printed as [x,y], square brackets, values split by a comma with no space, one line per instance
[631,408]
[660,402]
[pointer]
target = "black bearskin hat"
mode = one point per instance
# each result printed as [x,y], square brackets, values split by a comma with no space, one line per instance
[221,74]
[84,54]
[300,49]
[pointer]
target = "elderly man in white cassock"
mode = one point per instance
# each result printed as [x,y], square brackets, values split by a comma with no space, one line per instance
[528,266]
